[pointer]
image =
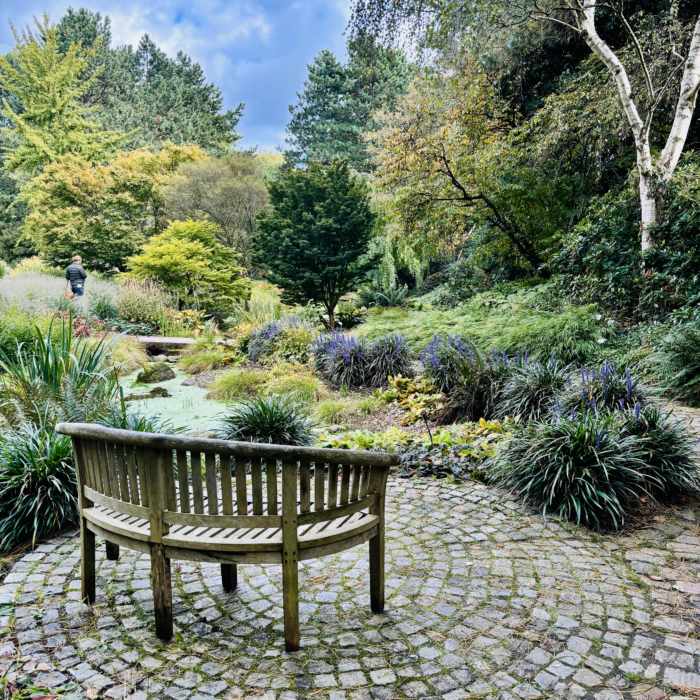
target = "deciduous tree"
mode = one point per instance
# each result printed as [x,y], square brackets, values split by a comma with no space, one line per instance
[190,262]
[105,212]
[48,86]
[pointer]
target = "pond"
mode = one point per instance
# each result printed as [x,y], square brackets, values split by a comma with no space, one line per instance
[186,406]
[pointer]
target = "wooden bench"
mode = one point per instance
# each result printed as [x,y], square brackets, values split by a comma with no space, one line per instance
[227,502]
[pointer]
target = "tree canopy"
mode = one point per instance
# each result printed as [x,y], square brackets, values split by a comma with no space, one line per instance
[51,121]
[337,105]
[142,90]
[229,191]
[313,240]
[106,212]
[188,259]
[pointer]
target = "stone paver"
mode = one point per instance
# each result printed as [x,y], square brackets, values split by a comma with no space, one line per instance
[483,599]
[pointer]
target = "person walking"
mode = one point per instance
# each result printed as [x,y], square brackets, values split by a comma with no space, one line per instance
[76,276]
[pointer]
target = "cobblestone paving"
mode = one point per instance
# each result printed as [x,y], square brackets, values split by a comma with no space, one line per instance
[483,600]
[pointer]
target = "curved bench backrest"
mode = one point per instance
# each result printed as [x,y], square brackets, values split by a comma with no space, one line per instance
[172,480]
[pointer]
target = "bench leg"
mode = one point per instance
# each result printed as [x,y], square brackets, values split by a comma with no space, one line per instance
[290,595]
[229,576]
[112,551]
[162,592]
[87,563]
[376,572]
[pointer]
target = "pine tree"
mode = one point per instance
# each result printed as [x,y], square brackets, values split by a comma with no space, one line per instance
[49,86]
[335,109]
[143,90]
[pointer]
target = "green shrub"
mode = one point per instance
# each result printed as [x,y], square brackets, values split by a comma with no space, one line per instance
[237,383]
[3,269]
[591,467]
[677,363]
[377,295]
[38,488]
[272,419]
[531,388]
[101,305]
[288,339]
[17,327]
[35,264]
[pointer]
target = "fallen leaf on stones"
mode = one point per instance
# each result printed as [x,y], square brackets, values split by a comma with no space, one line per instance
[43,666]
[654,578]
[44,697]
[92,693]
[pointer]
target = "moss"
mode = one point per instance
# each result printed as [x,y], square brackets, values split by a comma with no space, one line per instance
[155,372]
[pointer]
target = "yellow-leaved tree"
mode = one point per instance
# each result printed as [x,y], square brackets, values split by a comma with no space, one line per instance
[188,260]
[48,120]
[106,212]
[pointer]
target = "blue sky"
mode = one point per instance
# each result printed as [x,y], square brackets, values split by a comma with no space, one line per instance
[256,51]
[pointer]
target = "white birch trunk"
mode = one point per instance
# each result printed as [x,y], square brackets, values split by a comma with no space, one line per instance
[690,85]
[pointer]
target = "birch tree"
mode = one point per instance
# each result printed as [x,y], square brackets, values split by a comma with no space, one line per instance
[668,68]
[640,107]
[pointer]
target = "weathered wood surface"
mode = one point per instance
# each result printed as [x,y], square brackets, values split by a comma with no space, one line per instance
[158,494]
[227,447]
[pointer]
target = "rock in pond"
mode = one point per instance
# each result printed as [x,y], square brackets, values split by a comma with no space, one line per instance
[155,372]
[157,392]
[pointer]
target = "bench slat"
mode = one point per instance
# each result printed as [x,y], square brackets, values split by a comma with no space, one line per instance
[141,457]
[210,467]
[197,493]
[241,495]
[256,482]
[121,469]
[102,466]
[271,481]
[304,487]
[91,464]
[133,478]
[319,485]
[330,514]
[111,464]
[345,484]
[169,474]
[332,485]
[183,481]
[356,476]
[116,505]
[222,521]
[225,465]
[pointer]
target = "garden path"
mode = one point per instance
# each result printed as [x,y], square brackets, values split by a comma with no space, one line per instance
[483,600]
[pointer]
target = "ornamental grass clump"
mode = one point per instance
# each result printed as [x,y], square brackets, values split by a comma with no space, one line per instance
[277,420]
[341,358]
[677,364]
[531,388]
[345,360]
[605,389]
[591,466]
[440,360]
[38,487]
[667,446]
[580,468]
